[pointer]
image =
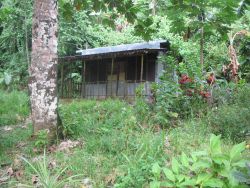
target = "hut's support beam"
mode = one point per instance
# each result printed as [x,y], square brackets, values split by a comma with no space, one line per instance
[83,79]
[62,79]
[135,69]
[98,71]
[146,62]
[112,69]
[106,77]
[142,62]
[117,80]
[126,76]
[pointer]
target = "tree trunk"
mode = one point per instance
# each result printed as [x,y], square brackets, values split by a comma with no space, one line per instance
[43,69]
[202,47]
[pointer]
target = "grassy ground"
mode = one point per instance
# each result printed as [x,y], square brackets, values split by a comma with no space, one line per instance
[115,146]
[14,107]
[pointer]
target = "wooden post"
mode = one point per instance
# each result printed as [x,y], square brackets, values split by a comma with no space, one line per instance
[112,68]
[106,77]
[98,78]
[126,75]
[146,61]
[62,80]
[117,79]
[83,79]
[135,69]
[142,61]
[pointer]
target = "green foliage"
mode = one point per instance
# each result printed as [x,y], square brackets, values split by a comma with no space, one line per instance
[93,117]
[48,179]
[232,121]
[14,107]
[192,134]
[138,165]
[212,168]
[9,139]
[41,139]
[15,39]
[243,177]
[142,108]
[202,13]
[175,100]
[115,146]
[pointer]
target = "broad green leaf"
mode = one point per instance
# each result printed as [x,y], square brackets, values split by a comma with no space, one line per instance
[184,160]
[224,173]
[203,177]
[188,182]
[169,174]
[155,184]
[219,158]
[167,184]
[237,150]
[156,169]
[213,182]
[175,166]
[233,182]
[180,178]
[242,163]
[215,144]
[200,165]
[199,153]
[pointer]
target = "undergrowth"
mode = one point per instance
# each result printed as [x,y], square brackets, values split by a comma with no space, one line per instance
[117,149]
[9,141]
[14,107]
[123,142]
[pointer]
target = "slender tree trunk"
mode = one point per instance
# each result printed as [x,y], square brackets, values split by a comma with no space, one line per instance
[43,69]
[202,47]
[154,2]
[27,42]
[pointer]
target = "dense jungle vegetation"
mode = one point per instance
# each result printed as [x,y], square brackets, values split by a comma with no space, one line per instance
[194,133]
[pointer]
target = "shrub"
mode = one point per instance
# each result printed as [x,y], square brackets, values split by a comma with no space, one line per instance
[231,121]
[172,103]
[242,96]
[212,168]
[14,107]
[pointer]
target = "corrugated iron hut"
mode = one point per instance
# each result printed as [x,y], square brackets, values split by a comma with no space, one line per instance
[114,71]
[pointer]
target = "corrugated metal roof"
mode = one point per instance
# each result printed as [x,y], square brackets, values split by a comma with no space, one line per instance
[154,45]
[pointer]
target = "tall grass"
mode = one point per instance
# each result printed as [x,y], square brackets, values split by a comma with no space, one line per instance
[117,150]
[13,107]
[46,178]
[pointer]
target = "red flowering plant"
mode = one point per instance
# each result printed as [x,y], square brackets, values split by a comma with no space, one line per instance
[194,87]
[187,84]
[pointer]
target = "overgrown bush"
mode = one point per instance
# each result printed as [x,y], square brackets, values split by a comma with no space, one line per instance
[233,120]
[14,107]
[95,117]
[212,168]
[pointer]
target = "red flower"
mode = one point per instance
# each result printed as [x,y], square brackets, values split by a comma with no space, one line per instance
[185,79]
[211,79]
[205,94]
